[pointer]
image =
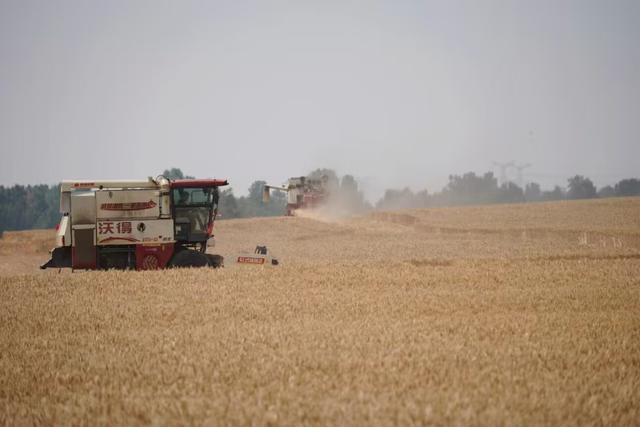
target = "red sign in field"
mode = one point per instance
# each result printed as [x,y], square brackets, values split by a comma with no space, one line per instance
[250,260]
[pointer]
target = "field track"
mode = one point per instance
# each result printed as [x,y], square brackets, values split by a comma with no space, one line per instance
[512,314]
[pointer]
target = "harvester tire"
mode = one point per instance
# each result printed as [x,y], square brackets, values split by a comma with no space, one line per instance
[215,261]
[189,258]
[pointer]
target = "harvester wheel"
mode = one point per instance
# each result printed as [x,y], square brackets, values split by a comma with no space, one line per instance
[215,261]
[189,258]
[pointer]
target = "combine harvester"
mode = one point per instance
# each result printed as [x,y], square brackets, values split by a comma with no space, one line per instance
[142,225]
[302,193]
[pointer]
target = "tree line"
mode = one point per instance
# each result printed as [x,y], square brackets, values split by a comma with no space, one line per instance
[31,206]
[471,189]
[37,206]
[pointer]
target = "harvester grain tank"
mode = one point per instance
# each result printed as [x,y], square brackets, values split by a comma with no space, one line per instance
[143,225]
[302,193]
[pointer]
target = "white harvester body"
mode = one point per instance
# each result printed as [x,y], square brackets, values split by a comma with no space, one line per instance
[135,224]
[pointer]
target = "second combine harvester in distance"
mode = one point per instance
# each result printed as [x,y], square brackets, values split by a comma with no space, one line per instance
[143,225]
[302,193]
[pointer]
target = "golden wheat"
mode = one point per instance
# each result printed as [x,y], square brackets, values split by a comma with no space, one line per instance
[479,315]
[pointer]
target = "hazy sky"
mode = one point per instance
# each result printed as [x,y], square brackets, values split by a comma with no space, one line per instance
[396,93]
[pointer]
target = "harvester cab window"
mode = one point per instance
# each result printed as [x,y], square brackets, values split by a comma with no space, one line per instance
[194,196]
[193,210]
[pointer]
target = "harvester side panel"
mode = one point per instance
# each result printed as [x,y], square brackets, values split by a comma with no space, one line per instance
[83,208]
[83,252]
[123,204]
[131,232]
[73,185]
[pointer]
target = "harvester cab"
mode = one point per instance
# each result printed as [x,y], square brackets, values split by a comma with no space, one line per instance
[194,211]
[139,225]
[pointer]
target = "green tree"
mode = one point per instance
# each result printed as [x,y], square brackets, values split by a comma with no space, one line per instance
[349,197]
[277,206]
[607,191]
[397,199]
[23,208]
[422,199]
[333,182]
[628,187]
[253,206]
[510,193]
[532,192]
[581,188]
[471,189]
[175,173]
[556,194]
[228,205]
[255,191]
[349,185]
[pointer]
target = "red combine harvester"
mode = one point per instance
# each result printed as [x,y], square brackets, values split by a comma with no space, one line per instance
[141,225]
[302,193]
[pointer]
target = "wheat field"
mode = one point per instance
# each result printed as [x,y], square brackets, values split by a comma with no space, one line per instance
[492,315]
